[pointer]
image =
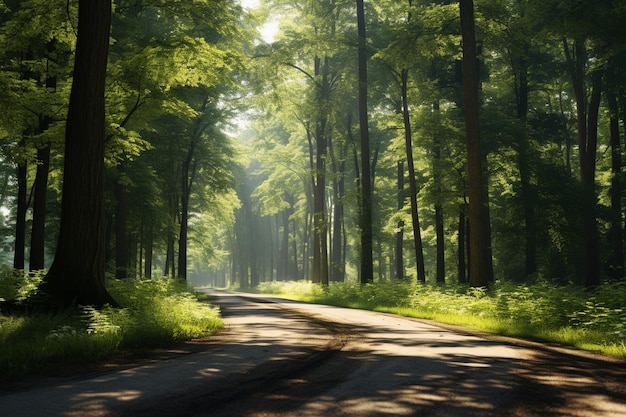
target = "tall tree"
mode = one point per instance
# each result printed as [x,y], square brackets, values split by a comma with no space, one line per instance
[480,241]
[77,272]
[408,137]
[367,263]
[587,109]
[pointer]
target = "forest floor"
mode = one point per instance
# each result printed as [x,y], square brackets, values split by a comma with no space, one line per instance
[284,358]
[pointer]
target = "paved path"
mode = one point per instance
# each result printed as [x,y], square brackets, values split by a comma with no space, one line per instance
[293,359]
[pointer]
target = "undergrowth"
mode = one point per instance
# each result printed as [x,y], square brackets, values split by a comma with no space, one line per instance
[566,314]
[154,313]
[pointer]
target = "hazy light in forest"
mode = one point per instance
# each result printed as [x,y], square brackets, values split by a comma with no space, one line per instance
[269,29]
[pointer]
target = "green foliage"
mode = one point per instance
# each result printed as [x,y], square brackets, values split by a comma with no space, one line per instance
[153,314]
[16,285]
[566,314]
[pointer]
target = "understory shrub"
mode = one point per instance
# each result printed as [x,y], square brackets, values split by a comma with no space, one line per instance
[153,313]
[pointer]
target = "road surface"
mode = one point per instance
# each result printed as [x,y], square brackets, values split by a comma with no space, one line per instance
[282,358]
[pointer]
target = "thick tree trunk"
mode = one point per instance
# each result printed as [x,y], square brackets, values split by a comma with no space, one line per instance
[481,269]
[76,276]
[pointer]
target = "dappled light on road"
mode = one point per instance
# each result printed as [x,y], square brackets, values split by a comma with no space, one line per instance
[297,360]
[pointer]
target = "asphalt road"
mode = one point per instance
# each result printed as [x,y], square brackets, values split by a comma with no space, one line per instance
[282,358]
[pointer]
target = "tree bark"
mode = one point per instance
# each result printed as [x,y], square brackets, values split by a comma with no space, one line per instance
[121,227]
[399,256]
[187,172]
[587,125]
[461,268]
[148,251]
[480,241]
[38,231]
[20,216]
[76,276]
[439,220]
[592,243]
[283,263]
[367,262]
[337,268]
[528,199]
[617,235]
[417,234]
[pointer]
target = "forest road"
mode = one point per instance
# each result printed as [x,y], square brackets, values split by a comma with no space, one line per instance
[284,358]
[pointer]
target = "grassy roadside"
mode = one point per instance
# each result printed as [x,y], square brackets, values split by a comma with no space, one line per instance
[567,315]
[154,314]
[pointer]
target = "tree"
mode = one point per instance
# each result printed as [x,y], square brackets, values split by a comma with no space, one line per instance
[169,77]
[367,263]
[480,241]
[77,273]
[417,235]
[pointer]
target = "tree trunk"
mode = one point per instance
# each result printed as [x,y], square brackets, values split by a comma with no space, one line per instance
[399,257]
[283,264]
[169,269]
[439,221]
[367,262]
[253,250]
[320,241]
[20,216]
[480,241]
[408,140]
[462,277]
[148,245]
[528,198]
[587,125]
[592,243]
[184,215]
[38,232]
[441,265]
[617,235]
[121,227]
[337,267]
[76,276]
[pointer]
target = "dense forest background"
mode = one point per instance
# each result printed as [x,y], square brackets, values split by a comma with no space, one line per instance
[234,153]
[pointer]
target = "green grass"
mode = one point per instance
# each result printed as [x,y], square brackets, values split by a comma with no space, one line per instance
[567,315]
[154,314]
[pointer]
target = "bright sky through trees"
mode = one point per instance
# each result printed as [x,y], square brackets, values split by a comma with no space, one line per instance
[269,30]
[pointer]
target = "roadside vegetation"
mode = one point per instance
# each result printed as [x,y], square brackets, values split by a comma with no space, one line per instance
[153,314]
[565,314]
